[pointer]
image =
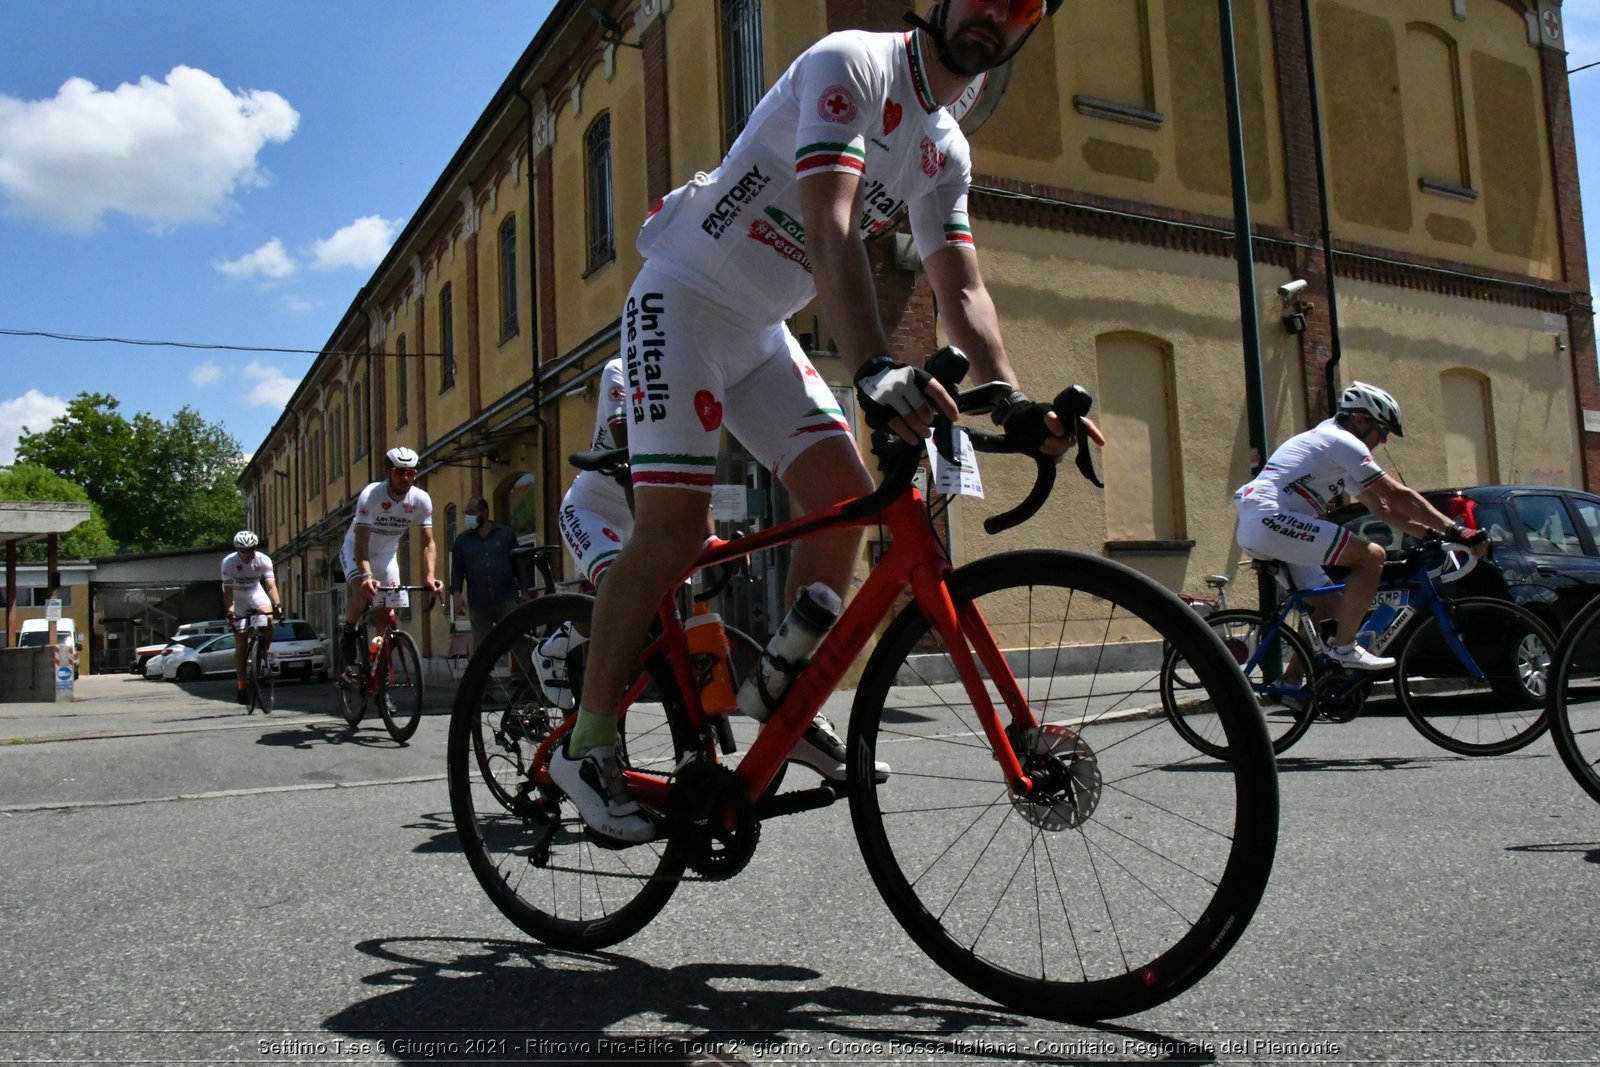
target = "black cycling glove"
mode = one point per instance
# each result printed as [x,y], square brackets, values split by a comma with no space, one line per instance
[1023,422]
[1459,531]
[885,389]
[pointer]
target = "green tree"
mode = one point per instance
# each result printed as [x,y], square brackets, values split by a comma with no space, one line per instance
[29,481]
[160,484]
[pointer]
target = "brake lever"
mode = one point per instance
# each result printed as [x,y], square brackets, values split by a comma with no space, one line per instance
[1074,402]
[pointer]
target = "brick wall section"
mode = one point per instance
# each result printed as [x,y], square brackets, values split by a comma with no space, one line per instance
[657,116]
[474,302]
[1574,256]
[870,14]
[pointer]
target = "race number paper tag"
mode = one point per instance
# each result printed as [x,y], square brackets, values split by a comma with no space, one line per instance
[396,598]
[958,478]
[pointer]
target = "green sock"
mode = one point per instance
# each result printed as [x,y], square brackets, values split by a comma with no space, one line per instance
[590,732]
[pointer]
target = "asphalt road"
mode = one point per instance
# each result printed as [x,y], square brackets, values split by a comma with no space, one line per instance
[180,882]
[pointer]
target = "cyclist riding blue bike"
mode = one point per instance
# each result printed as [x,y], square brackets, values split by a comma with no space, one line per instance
[852,135]
[1281,513]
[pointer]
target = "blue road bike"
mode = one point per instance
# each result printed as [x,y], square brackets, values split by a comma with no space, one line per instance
[1470,672]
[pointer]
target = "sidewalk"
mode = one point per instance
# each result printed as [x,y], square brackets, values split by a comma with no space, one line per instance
[125,705]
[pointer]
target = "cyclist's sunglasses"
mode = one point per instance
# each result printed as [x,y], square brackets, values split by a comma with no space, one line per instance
[1025,12]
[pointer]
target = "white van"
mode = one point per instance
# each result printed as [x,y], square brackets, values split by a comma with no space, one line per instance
[192,629]
[35,632]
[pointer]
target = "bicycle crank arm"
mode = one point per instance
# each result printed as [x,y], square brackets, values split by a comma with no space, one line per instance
[799,800]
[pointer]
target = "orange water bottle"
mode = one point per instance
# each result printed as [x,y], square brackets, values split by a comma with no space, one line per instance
[708,652]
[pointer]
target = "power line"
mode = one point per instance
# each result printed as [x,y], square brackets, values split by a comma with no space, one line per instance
[1586,66]
[205,347]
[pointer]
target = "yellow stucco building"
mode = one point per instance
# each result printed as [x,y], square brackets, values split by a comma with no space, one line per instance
[1104,219]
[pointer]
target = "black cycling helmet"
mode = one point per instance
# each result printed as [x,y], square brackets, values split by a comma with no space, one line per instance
[1019,12]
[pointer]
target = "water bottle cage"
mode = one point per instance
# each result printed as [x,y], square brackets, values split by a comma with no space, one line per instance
[780,668]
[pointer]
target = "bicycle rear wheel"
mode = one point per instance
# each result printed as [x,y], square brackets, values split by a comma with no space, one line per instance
[260,681]
[400,687]
[1288,709]
[1136,864]
[1575,699]
[1502,712]
[525,841]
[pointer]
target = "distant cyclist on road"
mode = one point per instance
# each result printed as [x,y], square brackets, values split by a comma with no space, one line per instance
[248,588]
[1281,513]
[384,511]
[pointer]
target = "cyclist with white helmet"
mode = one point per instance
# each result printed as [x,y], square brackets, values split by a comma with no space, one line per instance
[248,588]
[384,511]
[1281,512]
[853,136]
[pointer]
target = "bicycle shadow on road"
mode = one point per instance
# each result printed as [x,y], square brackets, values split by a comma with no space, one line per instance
[1385,763]
[316,734]
[442,826]
[1589,850]
[550,1005]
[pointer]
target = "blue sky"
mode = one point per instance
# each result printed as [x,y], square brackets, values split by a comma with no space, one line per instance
[230,173]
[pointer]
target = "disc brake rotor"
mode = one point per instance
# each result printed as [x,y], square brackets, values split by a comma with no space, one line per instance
[1066,777]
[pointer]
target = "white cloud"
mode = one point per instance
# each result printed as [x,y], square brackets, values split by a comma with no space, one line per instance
[205,374]
[361,245]
[162,152]
[268,261]
[272,387]
[33,410]
[298,305]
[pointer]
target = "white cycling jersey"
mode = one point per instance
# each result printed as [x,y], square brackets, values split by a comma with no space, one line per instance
[244,577]
[856,102]
[388,519]
[1310,469]
[591,490]
[1281,509]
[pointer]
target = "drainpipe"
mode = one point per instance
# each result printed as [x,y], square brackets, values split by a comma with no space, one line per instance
[1335,351]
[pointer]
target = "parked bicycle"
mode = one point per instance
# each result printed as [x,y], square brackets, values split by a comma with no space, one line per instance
[1037,836]
[1470,673]
[1575,699]
[258,679]
[390,668]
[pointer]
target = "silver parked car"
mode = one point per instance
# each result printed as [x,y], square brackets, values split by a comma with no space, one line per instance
[297,650]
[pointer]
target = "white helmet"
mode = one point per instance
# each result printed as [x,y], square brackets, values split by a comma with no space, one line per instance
[1373,402]
[245,539]
[401,457]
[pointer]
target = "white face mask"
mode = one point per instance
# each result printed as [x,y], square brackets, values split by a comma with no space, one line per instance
[470,521]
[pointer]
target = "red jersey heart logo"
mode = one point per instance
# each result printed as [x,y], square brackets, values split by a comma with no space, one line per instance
[891,116]
[709,408]
[386,505]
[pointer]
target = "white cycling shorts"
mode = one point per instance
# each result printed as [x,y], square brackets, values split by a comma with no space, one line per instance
[249,602]
[592,539]
[387,571]
[694,367]
[1304,542]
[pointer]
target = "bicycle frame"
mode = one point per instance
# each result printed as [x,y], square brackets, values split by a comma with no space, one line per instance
[915,560]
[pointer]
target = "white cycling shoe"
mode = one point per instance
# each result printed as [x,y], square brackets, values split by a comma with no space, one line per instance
[594,783]
[1356,658]
[820,749]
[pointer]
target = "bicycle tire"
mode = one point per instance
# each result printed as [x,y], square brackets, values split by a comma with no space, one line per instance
[1504,712]
[400,686]
[578,896]
[1575,699]
[261,681]
[933,834]
[1240,631]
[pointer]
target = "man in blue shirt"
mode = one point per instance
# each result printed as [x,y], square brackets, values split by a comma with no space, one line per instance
[481,559]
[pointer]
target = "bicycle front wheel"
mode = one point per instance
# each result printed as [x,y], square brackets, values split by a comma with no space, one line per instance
[1278,665]
[1499,713]
[400,688]
[1575,699]
[525,841]
[1134,864]
[261,688]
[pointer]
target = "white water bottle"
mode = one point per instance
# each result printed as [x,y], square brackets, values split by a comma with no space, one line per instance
[815,609]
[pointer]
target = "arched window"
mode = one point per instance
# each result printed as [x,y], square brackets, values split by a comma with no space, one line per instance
[743,71]
[401,416]
[1142,455]
[447,339]
[508,279]
[1470,456]
[1436,125]
[358,423]
[597,153]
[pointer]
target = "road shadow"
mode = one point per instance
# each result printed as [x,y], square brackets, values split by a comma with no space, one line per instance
[316,734]
[441,999]
[442,826]
[1589,850]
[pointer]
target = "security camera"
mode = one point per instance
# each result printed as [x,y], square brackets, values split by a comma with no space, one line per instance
[1290,290]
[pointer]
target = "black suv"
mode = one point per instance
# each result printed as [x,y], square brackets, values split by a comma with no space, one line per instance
[1546,543]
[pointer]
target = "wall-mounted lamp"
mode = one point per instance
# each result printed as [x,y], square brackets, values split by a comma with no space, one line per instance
[611,29]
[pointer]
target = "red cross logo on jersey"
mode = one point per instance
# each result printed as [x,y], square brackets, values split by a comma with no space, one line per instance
[638,396]
[836,104]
